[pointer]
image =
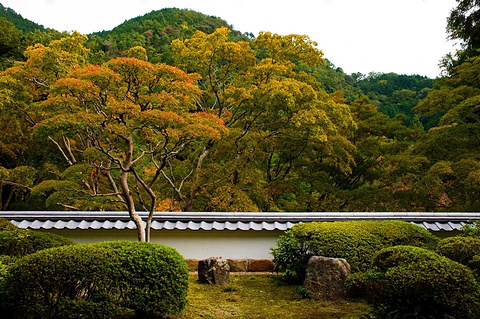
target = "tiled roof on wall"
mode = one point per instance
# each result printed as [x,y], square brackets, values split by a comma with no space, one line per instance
[224,221]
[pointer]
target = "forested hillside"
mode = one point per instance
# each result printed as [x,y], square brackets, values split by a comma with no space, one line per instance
[18,21]
[155,31]
[174,110]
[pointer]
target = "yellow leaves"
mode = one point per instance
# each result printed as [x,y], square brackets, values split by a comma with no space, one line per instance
[213,55]
[291,47]
[72,44]
[161,119]
[204,125]
[286,94]
[130,68]
[267,69]
[316,122]
[75,87]
[166,205]
[138,52]
[229,198]
[103,77]
[123,110]
[56,60]
[340,114]
[340,154]
[13,91]
[136,74]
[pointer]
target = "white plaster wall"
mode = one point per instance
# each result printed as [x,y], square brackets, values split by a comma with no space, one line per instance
[197,244]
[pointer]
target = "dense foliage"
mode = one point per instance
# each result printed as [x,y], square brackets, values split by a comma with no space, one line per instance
[240,123]
[6,225]
[464,250]
[22,242]
[355,241]
[104,280]
[412,282]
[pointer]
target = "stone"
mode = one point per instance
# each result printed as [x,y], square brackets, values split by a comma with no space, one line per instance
[325,277]
[261,265]
[214,270]
[238,265]
[192,264]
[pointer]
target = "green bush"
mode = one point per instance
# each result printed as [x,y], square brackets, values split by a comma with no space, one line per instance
[412,282]
[102,280]
[464,250]
[290,257]
[6,225]
[459,249]
[355,241]
[471,229]
[21,242]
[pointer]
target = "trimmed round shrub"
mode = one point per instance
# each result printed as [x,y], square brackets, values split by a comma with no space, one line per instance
[412,282]
[464,250]
[6,225]
[355,241]
[21,242]
[459,249]
[101,280]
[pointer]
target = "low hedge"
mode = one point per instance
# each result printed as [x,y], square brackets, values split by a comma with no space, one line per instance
[412,282]
[355,241]
[101,280]
[21,242]
[6,225]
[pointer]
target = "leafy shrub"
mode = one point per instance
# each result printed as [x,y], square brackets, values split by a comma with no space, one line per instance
[471,229]
[412,282]
[291,257]
[464,250]
[21,242]
[102,280]
[152,278]
[6,225]
[363,284]
[355,241]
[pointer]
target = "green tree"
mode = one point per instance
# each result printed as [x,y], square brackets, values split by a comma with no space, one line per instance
[463,25]
[452,179]
[273,112]
[10,43]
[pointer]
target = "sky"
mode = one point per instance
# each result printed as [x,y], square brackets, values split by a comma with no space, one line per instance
[401,36]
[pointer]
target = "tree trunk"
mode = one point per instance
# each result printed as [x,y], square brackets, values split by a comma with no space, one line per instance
[131,207]
[127,195]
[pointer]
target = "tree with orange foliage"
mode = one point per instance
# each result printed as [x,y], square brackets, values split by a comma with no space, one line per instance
[117,126]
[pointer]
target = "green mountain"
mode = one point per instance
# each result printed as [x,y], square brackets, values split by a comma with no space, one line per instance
[18,21]
[156,30]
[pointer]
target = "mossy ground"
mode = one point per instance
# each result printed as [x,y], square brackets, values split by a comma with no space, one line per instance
[262,296]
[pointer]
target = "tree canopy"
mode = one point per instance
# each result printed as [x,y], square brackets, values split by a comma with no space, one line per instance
[176,111]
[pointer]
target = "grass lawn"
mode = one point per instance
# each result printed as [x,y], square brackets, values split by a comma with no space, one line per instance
[262,296]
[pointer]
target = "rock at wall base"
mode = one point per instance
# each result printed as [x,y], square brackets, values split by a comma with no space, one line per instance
[214,270]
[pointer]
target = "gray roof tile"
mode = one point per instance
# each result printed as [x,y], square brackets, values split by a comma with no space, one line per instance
[227,221]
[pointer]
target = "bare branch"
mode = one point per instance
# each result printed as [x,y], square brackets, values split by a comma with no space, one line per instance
[15,184]
[70,163]
[66,142]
